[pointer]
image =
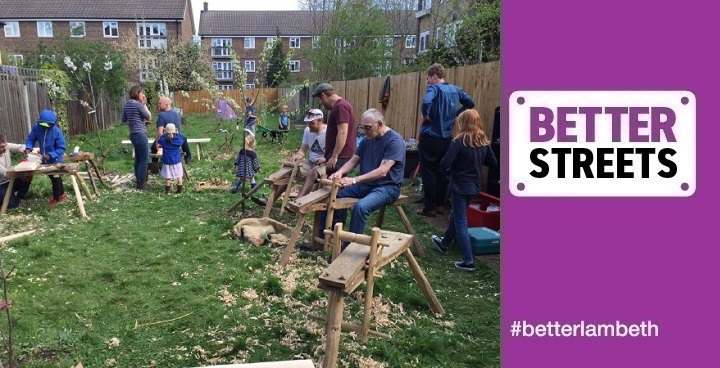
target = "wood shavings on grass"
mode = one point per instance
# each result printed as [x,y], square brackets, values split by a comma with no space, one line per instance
[447,324]
[250,294]
[111,362]
[113,343]
[227,298]
[363,362]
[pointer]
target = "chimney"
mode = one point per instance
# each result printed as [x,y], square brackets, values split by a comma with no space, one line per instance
[205,4]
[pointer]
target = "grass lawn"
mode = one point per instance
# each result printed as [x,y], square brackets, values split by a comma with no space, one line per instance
[156,280]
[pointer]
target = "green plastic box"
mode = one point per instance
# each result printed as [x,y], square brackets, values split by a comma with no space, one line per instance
[484,240]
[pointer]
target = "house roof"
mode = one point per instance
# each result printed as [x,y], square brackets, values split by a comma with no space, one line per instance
[288,23]
[93,9]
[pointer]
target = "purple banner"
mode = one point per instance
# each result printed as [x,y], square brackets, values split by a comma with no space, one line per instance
[575,267]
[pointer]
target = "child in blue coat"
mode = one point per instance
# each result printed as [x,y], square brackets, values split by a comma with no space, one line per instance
[51,142]
[172,169]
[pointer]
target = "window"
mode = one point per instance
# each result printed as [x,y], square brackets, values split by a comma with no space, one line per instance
[250,65]
[410,42]
[221,46]
[294,66]
[316,42]
[250,86]
[16,59]
[110,29]
[294,42]
[223,70]
[226,87]
[44,29]
[437,36]
[423,40]
[451,32]
[77,29]
[271,39]
[12,29]
[426,4]
[249,42]
[152,35]
[148,65]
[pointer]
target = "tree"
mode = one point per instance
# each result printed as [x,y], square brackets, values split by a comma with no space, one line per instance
[353,41]
[278,68]
[478,37]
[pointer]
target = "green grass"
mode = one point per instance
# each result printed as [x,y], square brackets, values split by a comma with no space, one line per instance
[162,275]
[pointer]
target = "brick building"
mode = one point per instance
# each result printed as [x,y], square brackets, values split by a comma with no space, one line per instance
[438,21]
[246,32]
[154,23]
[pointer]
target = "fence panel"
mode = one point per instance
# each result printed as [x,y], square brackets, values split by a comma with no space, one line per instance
[357,92]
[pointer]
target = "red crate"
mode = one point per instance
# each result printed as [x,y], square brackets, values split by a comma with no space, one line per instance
[479,216]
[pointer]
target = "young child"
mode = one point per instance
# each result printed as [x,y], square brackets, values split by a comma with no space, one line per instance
[284,118]
[246,164]
[51,141]
[468,152]
[250,114]
[172,169]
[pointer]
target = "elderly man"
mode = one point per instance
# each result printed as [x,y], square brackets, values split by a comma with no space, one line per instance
[440,106]
[167,116]
[21,186]
[381,156]
[341,134]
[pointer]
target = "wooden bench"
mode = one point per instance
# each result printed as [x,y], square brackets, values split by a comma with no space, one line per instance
[357,263]
[324,199]
[198,141]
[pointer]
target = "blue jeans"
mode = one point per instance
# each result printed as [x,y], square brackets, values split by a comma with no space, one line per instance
[20,189]
[458,229]
[371,199]
[142,153]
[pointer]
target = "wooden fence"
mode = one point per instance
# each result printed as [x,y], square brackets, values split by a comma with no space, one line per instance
[480,81]
[22,98]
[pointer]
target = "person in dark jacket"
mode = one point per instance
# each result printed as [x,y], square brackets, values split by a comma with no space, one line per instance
[468,152]
[51,142]
[137,116]
[441,104]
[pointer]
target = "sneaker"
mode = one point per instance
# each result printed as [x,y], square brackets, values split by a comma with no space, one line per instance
[62,197]
[461,265]
[437,240]
[188,161]
[54,202]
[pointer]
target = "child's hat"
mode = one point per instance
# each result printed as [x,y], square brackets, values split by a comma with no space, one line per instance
[313,115]
[170,129]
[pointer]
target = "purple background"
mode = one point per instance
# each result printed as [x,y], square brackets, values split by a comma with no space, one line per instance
[607,259]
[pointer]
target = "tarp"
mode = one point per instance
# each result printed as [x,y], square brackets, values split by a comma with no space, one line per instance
[224,111]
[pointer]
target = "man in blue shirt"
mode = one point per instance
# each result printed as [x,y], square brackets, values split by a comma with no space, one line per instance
[381,156]
[441,104]
[167,116]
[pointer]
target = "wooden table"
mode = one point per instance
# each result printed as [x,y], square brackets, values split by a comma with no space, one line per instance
[89,159]
[57,169]
[198,141]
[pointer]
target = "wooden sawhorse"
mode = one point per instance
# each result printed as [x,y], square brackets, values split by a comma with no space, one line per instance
[54,169]
[325,199]
[285,176]
[357,263]
[89,159]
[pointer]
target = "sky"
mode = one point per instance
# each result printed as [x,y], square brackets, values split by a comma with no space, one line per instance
[197,6]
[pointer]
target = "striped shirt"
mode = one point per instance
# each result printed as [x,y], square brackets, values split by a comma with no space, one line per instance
[134,115]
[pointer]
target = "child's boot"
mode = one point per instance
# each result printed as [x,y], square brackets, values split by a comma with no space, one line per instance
[167,189]
[179,189]
[236,186]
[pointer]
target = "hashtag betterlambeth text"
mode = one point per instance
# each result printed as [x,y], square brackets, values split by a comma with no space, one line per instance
[583,329]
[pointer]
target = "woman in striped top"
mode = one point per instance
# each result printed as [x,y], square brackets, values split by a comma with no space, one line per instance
[137,116]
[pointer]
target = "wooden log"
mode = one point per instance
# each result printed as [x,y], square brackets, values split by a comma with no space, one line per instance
[78,196]
[370,283]
[424,284]
[306,363]
[333,328]
[293,239]
[15,236]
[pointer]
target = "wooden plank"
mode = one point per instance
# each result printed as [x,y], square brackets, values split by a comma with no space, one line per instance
[351,327]
[311,198]
[347,268]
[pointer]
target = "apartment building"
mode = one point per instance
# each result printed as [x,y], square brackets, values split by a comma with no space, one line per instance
[154,23]
[438,21]
[246,32]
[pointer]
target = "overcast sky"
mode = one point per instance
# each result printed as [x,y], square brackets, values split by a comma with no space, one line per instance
[197,6]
